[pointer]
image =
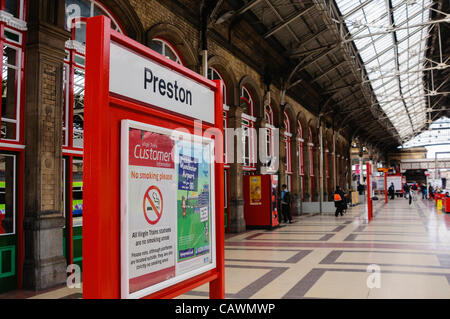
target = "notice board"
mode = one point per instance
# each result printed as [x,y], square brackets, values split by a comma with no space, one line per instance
[168,231]
[153,173]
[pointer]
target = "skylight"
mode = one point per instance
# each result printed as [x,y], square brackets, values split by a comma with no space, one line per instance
[391,37]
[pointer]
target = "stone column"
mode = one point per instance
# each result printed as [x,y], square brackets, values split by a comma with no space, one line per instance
[44,264]
[321,168]
[334,162]
[297,187]
[236,205]
[282,156]
[259,125]
[317,171]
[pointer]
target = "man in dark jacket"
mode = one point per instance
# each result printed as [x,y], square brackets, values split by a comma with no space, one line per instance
[405,190]
[339,201]
[360,189]
[286,204]
[391,191]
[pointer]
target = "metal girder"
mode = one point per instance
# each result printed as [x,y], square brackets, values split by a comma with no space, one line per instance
[334,90]
[404,22]
[356,9]
[304,42]
[275,11]
[312,51]
[319,57]
[405,72]
[329,70]
[388,48]
[347,97]
[423,24]
[350,105]
[295,83]
[248,6]
[297,67]
[286,22]
[385,14]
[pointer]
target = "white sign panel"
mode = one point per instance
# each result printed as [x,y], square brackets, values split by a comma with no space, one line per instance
[167,207]
[397,180]
[144,80]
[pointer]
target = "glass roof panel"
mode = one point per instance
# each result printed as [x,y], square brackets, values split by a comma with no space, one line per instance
[394,55]
[437,134]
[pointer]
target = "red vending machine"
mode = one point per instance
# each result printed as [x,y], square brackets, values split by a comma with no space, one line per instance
[261,199]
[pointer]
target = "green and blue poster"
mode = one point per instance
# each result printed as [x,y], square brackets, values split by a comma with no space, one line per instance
[193,202]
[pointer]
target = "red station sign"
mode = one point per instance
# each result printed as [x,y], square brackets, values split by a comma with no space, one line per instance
[154,194]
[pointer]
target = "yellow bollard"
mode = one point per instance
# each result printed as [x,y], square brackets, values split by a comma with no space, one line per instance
[439,204]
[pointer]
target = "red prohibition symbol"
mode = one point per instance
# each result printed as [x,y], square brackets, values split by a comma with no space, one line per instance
[153,202]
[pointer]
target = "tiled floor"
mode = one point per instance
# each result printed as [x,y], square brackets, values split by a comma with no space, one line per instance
[403,253]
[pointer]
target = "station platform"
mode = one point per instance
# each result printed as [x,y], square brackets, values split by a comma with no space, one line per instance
[323,256]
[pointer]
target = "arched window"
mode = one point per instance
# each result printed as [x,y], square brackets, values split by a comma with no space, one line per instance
[12,35]
[301,167]
[73,115]
[268,116]
[287,143]
[166,49]
[311,154]
[327,167]
[213,74]
[14,7]
[311,162]
[248,134]
[247,99]
[73,118]
[12,39]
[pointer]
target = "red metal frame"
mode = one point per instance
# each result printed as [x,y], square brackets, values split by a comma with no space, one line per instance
[17,147]
[385,188]
[369,194]
[101,233]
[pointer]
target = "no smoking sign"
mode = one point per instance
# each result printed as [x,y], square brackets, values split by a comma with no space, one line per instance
[153,205]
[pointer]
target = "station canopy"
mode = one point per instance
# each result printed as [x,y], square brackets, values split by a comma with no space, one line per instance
[379,67]
[438,133]
[391,38]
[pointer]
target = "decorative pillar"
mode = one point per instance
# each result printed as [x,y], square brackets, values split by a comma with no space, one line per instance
[282,156]
[44,264]
[321,170]
[334,162]
[259,125]
[236,204]
[297,180]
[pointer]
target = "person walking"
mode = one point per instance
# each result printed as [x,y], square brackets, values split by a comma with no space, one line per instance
[360,189]
[391,191]
[423,188]
[339,201]
[286,204]
[431,191]
[406,190]
[414,189]
[410,195]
